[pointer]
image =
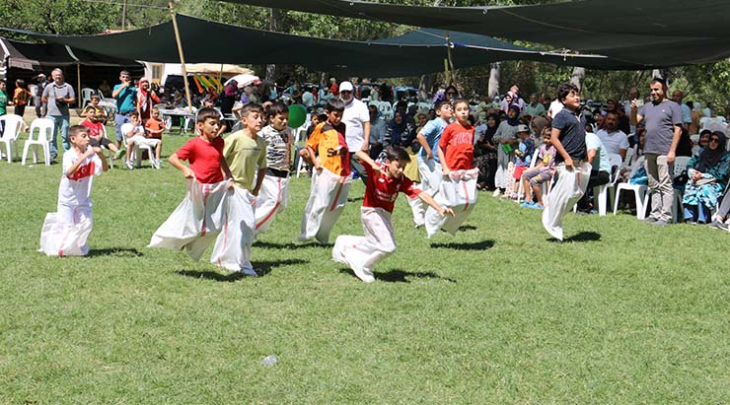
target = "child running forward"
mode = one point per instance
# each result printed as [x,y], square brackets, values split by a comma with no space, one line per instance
[66,231]
[572,168]
[331,177]
[385,181]
[274,194]
[199,218]
[245,153]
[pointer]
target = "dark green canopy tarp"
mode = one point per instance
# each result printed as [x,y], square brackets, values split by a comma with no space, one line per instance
[414,53]
[653,33]
[25,55]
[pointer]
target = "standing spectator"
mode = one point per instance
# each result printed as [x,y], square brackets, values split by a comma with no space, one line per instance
[58,95]
[334,89]
[377,132]
[663,120]
[506,140]
[485,152]
[104,88]
[613,139]
[40,106]
[20,97]
[125,94]
[677,97]
[3,104]
[229,97]
[146,99]
[357,126]
[533,108]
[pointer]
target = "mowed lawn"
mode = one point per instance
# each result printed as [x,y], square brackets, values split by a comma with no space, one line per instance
[622,313]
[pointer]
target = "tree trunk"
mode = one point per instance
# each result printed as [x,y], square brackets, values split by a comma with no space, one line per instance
[579,74]
[274,23]
[493,87]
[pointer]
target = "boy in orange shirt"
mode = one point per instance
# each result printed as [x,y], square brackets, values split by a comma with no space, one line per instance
[154,127]
[331,176]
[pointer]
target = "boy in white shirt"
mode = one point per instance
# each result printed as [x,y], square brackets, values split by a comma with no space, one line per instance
[136,136]
[66,231]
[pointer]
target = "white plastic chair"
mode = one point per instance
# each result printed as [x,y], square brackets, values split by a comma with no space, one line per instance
[44,127]
[86,94]
[136,152]
[12,125]
[680,165]
[603,193]
[627,159]
[638,189]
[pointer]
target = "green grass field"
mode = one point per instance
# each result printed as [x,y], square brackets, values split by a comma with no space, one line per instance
[622,313]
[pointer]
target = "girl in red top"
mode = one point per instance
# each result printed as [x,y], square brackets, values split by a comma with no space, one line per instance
[456,147]
[384,183]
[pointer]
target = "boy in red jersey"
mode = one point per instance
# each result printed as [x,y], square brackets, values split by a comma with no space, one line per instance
[385,181]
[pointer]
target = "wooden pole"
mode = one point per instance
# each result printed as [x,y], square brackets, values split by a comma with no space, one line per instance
[78,85]
[220,80]
[182,58]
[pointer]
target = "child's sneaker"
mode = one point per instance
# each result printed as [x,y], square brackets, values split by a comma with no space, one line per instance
[156,164]
[527,204]
[496,193]
[129,165]
[249,272]
[536,206]
[120,153]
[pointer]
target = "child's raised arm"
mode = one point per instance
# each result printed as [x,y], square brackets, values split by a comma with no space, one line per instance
[362,155]
[177,163]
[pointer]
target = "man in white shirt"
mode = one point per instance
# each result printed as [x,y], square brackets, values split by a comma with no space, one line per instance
[357,126]
[613,139]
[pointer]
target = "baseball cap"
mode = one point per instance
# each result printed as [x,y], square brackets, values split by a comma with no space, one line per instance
[345,86]
[523,128]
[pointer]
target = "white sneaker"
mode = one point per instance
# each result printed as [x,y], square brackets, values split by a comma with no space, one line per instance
[129,165]
[496,193]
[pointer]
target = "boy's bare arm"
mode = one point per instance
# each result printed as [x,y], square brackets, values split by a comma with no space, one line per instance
[225,168]
[430,201]
[444,167]
[259,181]
[177,163]
[424,144]
[311,158]
[363,156]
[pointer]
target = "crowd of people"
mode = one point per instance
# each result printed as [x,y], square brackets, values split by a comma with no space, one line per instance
[546,154]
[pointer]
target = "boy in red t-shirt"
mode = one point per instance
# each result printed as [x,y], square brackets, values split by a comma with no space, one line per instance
[456,147]
[384,183]
[95,123]
[198,220]
[154,127]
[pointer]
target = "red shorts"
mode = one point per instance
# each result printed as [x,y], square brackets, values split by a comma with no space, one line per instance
[518,172]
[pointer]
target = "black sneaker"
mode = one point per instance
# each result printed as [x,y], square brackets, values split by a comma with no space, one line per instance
[719,225]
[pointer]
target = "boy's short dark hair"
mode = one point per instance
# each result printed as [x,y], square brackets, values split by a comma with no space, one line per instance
[461,101]
[660,81]
[75,130]
[278,107]
[565,89]
[441,103]
[397,153]
[322,117]
[134,114]
[207,113]
[249,108]
[335,105]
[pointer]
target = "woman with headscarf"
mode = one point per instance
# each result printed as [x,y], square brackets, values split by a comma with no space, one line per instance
[506,140]
[708,174]
[485,153]
[400,132]
[146,99]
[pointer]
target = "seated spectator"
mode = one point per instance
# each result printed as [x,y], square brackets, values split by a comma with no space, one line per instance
[543,171]
[533,108]
[95,124]
[703,142]
[377,132]
[600,172]
[615,140]
[316,119]
[136,136]
[685,145]
[708,174]
[154,129]
[400,132]
[523,155]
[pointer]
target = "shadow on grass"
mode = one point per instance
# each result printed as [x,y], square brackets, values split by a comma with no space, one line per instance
[465,228]
[400,276]
[581,237]
[292,245]
[483,245]
[115,252]
[262,268]
[353,199]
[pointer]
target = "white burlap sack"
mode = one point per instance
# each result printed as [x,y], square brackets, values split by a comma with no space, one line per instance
[196,222]
[327,199]
[273,198]
[568,189]
[362,253]
[65,232]
[232,249]
[418,208]
[431,177]
[458,192]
